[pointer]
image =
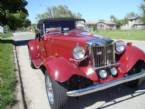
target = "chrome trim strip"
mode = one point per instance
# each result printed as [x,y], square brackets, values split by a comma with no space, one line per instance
[99,87]
[111,65]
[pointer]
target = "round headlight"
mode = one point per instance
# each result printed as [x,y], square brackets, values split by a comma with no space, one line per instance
[103,74]
[78,52]
[119,47]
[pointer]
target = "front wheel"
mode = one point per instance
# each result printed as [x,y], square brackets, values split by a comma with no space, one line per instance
[136,83]
[56,93]
[139,66]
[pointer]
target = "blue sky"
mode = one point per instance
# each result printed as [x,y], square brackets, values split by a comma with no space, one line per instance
[89,9]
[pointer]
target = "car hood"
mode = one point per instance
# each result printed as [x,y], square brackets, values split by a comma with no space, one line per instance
[90,39]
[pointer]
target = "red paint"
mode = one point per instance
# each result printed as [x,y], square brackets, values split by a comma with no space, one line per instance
[54,51]
[61,69]
[131,55]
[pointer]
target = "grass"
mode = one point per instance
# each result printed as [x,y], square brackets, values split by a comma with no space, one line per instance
[5,36]
[123,34]
[7,73]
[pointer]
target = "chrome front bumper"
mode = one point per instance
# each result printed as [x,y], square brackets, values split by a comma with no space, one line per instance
[99,87]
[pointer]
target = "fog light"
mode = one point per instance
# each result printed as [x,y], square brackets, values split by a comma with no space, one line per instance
[114,71]
[103,74]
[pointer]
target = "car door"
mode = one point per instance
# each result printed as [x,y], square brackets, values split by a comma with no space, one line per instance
[41,54]
[43,50]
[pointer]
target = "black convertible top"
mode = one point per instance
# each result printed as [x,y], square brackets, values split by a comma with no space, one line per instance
[58,19]
[57,22]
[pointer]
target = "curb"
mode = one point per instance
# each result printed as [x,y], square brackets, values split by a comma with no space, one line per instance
[20,89]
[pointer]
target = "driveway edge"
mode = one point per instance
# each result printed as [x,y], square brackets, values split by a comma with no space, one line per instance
[20,89]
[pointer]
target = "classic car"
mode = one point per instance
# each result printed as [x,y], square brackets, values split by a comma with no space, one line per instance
[76,62]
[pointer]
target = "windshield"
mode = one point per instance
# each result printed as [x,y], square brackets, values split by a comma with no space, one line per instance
[62,26]
[81,25]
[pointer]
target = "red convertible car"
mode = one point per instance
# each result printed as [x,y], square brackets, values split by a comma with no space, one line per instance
[76,62]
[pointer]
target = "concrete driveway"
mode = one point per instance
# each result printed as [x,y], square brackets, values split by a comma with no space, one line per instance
[120,97]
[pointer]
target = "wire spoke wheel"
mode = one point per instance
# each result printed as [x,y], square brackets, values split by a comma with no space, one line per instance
[56,93]
[49,90]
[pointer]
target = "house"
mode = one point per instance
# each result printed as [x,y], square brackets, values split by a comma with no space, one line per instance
[101,25]
[1,29]
[139,25]
[92,24]
[106,25]
[133,23]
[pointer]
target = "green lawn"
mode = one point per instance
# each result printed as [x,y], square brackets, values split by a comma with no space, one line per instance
[5,36]
[123,34]
[7,74]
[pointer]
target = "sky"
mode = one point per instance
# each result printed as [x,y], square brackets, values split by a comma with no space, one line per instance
[89,9]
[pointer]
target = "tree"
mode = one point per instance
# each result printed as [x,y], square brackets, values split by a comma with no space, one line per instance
[59,11]
[131,14]
[118,22]
[42,16]
[13,13]
[113,18]
[142,7]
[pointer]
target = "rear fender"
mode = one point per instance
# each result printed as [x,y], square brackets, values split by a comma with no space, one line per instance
[60,69]
[129,58]
[33,47]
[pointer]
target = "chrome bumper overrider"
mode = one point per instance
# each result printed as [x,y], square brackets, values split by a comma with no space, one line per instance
[99,87]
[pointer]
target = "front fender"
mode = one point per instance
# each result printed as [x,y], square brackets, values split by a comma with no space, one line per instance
[60,69]
[129,58]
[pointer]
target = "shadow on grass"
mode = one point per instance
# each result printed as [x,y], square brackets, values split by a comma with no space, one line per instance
[16,43]
[6,41]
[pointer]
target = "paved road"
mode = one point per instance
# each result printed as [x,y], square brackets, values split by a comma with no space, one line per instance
[120,97]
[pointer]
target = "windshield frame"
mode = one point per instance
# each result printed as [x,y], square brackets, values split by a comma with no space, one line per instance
[63,24]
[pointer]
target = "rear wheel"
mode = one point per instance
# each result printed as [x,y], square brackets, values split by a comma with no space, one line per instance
[32,65]
[56,93]
[136,69]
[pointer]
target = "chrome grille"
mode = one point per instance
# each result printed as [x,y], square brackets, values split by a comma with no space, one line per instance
[103,55]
